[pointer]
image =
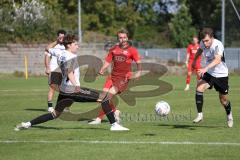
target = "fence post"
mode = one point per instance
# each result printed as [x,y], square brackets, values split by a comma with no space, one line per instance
[178,56]
[238,58]
[26,66]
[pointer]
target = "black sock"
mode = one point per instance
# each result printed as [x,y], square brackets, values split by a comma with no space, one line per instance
[108,111]
[41,119]
[199,101]
[228,108]
[50,104]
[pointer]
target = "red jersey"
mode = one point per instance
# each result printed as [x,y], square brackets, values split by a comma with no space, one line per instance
[122,60]
[191,51]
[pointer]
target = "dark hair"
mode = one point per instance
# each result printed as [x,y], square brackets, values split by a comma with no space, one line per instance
[61,31]
[206,31]
[68,39]
[123,30]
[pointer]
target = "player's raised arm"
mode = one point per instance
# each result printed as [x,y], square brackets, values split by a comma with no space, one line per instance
[51,45]
[47,56]
[46,62]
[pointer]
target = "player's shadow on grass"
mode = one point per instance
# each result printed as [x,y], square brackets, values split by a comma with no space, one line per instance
[189,127]
[66,128]
[35,109]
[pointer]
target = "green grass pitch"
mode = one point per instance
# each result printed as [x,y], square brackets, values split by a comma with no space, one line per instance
[150,137]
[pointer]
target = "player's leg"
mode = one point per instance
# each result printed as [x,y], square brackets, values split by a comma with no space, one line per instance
[107,101]
[50,98]
[101,114]
[198,66]
[108,84]
[202,85]
[88,95]
[55,79]
[188,78]
[227,106]
[114,91]
[221,85]
[62,102]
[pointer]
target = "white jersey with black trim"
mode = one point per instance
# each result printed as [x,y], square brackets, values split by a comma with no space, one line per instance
[220,70]
[53,65]
[69,62]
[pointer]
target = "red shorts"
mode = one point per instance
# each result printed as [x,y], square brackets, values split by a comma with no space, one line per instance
[197,66]
[121,83]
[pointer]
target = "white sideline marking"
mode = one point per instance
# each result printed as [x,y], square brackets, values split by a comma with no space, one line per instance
[22,90]
[127,142]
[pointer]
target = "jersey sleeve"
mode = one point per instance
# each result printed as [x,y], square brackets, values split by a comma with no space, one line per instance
[135,55]
[52,52]
[219,49]
[109,56]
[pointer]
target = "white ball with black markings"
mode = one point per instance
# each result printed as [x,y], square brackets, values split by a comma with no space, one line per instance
[162,108]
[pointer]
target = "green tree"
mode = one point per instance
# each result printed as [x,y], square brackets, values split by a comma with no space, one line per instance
[181,29]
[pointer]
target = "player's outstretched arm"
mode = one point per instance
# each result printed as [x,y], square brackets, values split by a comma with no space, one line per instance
[139,70]
[51,45]
[215,62]
[104,67]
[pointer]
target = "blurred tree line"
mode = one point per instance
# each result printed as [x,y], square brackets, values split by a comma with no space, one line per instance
[152,23]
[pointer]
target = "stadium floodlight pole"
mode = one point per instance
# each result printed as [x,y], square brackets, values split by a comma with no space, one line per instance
[79,22]
[223,22]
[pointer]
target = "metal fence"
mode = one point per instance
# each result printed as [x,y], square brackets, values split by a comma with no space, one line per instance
[12,56]
[232,55]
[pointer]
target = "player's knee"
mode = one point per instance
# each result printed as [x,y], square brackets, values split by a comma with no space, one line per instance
[56,114]
[223,100]
[102,96]
[199,88]
[108,97]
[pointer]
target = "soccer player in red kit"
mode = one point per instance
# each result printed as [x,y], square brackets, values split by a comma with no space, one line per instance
[191,51]
[121,57]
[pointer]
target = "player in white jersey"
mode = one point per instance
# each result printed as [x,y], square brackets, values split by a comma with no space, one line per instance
[52,68]
[70,90]
[214,74]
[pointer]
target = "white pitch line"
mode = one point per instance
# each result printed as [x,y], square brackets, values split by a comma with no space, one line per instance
[126,142]
[22,90]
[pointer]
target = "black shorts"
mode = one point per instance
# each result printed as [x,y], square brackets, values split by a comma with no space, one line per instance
[220,84]
[55,78]
[67,99]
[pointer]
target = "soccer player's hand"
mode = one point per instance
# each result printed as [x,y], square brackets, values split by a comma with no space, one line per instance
[47,71]
[137,75]
[101,72]
[202,71]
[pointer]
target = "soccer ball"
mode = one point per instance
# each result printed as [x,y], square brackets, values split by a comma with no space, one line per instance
[162,108]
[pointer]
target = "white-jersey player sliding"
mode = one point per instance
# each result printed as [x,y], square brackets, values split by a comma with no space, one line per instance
[214,74]
[52,68]
[70,90]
